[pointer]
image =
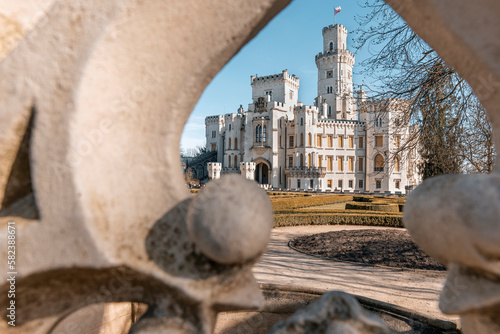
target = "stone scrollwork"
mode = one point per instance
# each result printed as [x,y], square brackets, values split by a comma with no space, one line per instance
[93,103]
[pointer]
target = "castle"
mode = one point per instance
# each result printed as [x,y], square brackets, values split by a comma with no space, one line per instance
[341,143]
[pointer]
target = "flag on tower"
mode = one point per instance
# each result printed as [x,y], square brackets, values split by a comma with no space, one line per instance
[337,10]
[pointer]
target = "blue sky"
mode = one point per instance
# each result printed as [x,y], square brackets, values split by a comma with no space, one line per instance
[290,41]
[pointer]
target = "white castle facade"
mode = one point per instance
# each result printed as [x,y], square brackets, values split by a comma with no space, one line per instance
[342,143]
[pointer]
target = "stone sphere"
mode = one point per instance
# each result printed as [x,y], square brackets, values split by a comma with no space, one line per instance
[230,220]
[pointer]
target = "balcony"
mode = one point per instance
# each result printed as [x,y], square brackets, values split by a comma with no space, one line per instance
[306,171]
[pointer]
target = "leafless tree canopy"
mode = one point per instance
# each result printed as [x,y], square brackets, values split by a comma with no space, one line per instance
[453,132]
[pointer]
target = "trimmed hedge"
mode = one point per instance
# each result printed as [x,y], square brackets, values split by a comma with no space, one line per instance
[283,204]
[281,220]
[372,206]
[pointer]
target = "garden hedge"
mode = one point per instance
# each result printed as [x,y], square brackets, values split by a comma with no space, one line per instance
[283,204]
[281,220]
[372,206]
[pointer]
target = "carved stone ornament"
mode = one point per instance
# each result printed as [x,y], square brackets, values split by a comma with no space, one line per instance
[334,313]
[93,104]
[261,105]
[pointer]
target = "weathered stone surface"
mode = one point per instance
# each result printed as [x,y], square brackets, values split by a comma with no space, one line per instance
[224,226]
[334,313]
[109,86]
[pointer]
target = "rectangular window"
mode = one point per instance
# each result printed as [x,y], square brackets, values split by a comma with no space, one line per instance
[360,184]
[311,183]
[320,161]
[379,141]
[329,74]
[290,162]
[398,183]
[397,139]
[351,141]
[361,142]
[318,140]
[340,184]
[341,141]
[280,141]
[378,184]
[329,183]
[290,141]
[214,147]
[361,165]
[214,134]
[330,164]
[298,184]
[330,141]
[340,161]
[351,183]
[351,164]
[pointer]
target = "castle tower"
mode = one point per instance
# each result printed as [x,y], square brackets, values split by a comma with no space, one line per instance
[335,64]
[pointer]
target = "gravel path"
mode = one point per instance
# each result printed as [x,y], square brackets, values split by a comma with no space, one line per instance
[414,289]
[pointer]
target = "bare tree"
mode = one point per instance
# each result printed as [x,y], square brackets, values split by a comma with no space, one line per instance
[405,67]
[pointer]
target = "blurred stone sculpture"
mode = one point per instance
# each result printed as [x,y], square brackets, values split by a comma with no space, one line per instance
[93,102]
[334,313]
[457,218]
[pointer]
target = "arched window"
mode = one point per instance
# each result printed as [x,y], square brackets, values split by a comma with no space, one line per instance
[258,134]
[329,110]
[229,127]
[235,143]
[309,139]
[264,139]
[309,160]
[301,139]
[302,121]
[301,160]
[228,161]
[229,144]
[396,164]
[379,163]
[331,46]
[235,161]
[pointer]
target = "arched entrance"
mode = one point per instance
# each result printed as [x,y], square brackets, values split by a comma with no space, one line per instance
[262,173]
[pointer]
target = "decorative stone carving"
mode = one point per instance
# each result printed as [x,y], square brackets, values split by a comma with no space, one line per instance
[94,100]
[334,313]
[457,218]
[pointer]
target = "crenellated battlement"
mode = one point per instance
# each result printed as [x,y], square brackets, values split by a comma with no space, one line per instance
[336,53]
[283,76]
[333,27]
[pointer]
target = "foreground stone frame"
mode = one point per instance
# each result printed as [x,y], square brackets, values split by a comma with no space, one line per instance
[93,103]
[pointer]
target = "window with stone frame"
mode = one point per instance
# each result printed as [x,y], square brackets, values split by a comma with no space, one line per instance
[329,74]
[330,163]
[351,141]
[290,141]
[330,141]
[361,164]
[361,142]
[379,141]
[340,162]
[341,141]
[378,184]
[290,162]
[318,141]
[379,163]
[351,164]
